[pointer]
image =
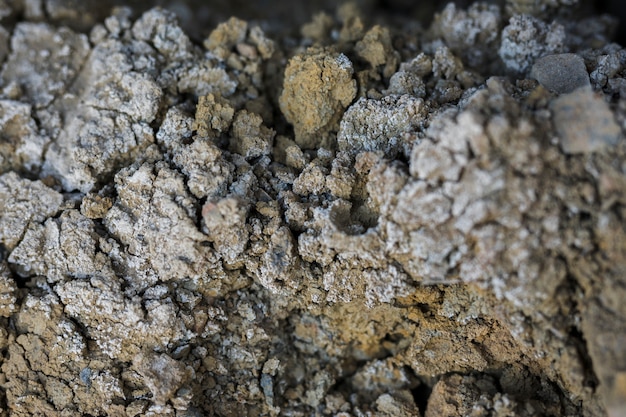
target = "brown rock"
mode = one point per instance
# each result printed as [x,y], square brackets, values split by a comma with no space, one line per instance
[318,87]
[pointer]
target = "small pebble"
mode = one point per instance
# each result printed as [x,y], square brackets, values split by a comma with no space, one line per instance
[561,73]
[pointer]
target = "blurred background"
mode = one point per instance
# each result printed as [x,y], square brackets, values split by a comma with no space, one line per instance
[199,17]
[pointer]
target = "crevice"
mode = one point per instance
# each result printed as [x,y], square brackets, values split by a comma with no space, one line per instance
[4,253]
[421,394]
[575,333]
[590,378]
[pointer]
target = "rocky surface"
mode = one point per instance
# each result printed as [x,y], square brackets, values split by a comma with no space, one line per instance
[353,216]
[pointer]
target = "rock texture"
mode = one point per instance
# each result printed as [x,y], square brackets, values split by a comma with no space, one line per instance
[375,218]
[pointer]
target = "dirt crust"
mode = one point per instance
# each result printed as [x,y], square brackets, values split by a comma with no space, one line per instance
[360,215]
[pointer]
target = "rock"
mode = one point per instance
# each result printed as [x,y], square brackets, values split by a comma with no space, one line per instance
[162,374]
[376,49]
[380,125]
[456,395]
[584,122]
[22,145]
[42,80]
[21,202]
[250,138]
[526,38]
[418,244]
[561,73]
[317,89]
[472,32]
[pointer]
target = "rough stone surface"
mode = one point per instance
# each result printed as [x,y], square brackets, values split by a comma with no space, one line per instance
[377,218]
[380,125]
[317,89]
[23,201]
[584,122]
[473,33]
[43,62]
[21,145]
[527,38]
[561,73]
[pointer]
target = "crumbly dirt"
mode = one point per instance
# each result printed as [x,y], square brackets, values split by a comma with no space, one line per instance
[356,214]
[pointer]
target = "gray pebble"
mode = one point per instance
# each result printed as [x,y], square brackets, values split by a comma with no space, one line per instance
[561,73]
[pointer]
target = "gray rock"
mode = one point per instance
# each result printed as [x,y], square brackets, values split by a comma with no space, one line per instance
[561,73]
[379,125]
[43,61]
[23,201]
[526,38]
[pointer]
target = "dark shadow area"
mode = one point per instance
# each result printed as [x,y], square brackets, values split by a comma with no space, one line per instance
[421,393]
[615,8]
[199,18]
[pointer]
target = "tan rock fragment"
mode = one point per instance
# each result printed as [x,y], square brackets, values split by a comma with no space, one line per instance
[319,28]
[162,374]
[377,50]
[21,144]
[212,114]
[226,36]
[23,201]
[225,225]
[95,206]
[249,137]
[318,87]
[350,17]
[584,122]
